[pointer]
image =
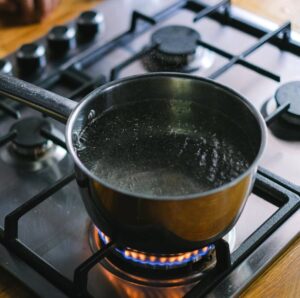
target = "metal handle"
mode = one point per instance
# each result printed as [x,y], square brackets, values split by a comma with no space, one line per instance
[51,104]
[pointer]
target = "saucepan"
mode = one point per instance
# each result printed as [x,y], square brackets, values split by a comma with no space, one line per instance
[164,161]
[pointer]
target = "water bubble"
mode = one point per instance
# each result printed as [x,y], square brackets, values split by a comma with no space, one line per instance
[140,148]
[91,115]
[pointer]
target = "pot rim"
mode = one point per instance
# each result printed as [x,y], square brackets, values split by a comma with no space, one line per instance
[85,101]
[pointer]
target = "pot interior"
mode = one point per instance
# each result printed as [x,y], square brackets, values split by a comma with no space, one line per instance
[166,136]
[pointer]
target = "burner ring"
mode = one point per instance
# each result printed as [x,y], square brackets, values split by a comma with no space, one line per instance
[290,92]
[281,128]
[30,150]
[126,270]
[162,261]
[176,40]
[175,48]
[186,275]
[28,132]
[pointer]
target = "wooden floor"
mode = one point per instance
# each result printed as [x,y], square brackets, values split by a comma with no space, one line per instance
[283,278]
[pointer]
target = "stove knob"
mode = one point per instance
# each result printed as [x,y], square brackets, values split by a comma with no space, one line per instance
[89,24]
[31,58]
[61,39]
[5,66]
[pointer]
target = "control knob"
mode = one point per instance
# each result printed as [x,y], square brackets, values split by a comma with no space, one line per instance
[31,58]
[89,24]
[60,40]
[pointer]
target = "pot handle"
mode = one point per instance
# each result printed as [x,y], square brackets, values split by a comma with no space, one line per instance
[49,103]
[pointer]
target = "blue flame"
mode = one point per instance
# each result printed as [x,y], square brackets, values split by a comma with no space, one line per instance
[193,258]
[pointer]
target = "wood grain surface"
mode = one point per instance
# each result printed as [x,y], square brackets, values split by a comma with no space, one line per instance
[12,37]
[278,11]
[282,279]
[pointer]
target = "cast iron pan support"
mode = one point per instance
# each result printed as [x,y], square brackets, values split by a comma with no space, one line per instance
[223,264]
[82,271]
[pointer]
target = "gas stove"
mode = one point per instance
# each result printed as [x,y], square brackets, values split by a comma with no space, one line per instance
[47,239]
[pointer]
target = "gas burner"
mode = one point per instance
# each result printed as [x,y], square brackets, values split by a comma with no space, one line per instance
[287,125]
[165,262]
[290,93]
[176,49]
[157,270]
[29,141]
[176,45]
[29,149]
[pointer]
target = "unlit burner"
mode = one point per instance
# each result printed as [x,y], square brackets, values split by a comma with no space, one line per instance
[29,141]
[176,49]
[290,93]
[288,123]
[29,148]
[160,261]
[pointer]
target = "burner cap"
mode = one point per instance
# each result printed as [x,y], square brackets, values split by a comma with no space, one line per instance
[175,49]
[29,150]
[176,40]
[28,132]
[290,92]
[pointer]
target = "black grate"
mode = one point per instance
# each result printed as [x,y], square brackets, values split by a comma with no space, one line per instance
[268,186]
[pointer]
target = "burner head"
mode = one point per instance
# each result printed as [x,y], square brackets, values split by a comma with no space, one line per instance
[160,261]
[290,92]
[176,46]
[176,40]
[153,269]
[29,141]
[29,150]
[176,49]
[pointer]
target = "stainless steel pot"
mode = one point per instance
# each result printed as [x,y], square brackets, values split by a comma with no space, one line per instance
[156,224]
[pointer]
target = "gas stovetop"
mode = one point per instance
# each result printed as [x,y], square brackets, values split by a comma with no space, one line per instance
[48,240]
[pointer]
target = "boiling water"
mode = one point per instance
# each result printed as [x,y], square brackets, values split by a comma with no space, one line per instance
[164,148]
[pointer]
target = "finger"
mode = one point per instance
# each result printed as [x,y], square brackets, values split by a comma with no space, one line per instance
[44,7]
[56,2]
[27,9]
[7,6]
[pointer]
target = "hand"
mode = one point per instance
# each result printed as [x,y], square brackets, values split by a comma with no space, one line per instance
[7,6]
[29,10]
[35,10]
